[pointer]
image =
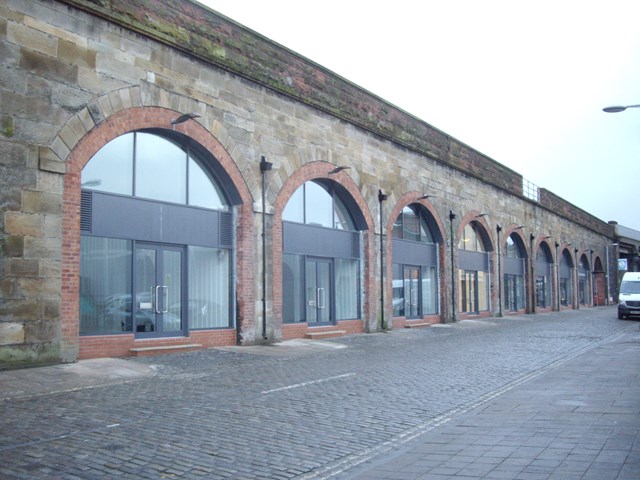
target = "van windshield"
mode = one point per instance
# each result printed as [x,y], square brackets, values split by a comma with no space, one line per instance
[630,287]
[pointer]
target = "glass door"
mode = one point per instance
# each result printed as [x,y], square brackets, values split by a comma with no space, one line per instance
[412,292]
[468,291]
[159,291]
[319,304]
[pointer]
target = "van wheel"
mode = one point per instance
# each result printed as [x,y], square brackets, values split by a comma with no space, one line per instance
[620,316]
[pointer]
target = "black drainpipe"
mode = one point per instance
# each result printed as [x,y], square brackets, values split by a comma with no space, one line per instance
[452,217]
[381,198]
[498,230]
[264,168]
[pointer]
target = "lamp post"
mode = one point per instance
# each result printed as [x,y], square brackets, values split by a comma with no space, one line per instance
[618,108]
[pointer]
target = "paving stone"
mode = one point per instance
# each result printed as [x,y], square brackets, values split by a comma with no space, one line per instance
[517,397]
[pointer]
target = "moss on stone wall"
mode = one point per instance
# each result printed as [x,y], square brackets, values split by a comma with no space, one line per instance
[198,31]
[13,356]
[201,32]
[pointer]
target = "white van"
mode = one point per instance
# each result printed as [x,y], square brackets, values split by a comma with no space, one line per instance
[629,299]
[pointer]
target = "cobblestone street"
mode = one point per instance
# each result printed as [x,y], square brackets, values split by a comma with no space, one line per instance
[296,410]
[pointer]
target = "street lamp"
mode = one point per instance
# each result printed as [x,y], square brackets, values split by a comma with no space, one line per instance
[618,108]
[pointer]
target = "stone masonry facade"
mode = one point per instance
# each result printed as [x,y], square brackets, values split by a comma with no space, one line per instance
[75,74]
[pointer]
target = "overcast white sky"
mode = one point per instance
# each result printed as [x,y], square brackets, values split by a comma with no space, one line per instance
[522,82]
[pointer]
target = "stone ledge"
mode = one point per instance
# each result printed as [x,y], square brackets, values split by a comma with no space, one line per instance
[325,334]
[159,350]
[417,325]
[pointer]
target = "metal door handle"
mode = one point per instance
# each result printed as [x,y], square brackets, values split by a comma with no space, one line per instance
[321,298]
[165,299]
[155,298]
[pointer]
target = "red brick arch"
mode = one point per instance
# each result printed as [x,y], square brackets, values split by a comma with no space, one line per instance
[115,125]
[314,171]
[404,200]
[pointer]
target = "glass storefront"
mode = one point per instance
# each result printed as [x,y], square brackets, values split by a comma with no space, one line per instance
[156,242]
[321,264]
[544,268]
[583,281]
[415,264]
[473,273]
[566,279]
[514,274]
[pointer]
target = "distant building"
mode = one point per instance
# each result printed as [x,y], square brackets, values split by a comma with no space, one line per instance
[624,255]
[171,180]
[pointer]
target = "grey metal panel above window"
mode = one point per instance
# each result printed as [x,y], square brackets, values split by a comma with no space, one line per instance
[565,270]
[154,221]
[542,268]
[469,260]
[192,226]
[323,242]
[415,253]
[514,266]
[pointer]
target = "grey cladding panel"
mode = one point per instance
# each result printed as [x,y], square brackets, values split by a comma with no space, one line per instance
[514,266]
[478,261]
[543,268]
[414,253]
[318,241]
[565,270]
[153,221]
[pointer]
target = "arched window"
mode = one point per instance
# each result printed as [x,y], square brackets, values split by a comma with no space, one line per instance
[544,265]
[565,271]
[147,165]
[156,239]
[415,264]
[316,203]
[514,274]
[321,256]
[471,239]
[473,273]
[412,225]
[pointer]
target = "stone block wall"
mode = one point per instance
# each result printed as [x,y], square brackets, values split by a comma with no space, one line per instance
[74,73]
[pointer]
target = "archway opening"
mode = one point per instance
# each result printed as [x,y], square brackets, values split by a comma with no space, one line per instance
[415,263]
[157,242]
[322,269]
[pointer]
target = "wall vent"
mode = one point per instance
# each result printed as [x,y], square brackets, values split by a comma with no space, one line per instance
[226,229]
[86,211]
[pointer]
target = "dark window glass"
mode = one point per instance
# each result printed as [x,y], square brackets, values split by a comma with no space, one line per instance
[209,286]
[471,239]
[511,248]
[203,192]
[105,285]
[160,168]
[293,288]
[111,168]
[411,225]
[315,204]
[318,205]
